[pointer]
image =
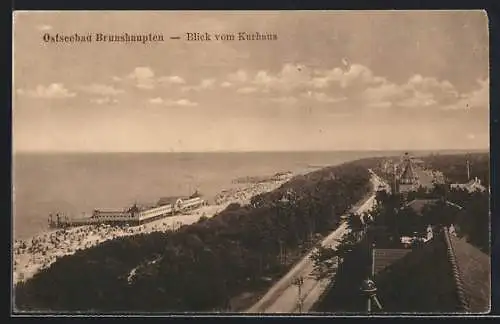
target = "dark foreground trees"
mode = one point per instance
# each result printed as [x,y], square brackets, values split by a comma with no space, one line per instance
[201,267]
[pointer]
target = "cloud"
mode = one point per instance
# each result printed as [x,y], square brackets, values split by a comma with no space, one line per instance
[262,78]
[204,84]
[102,89]
[358,85]
[320,82]
[174,79]
[380,104]
[442,91]
[238,76]
[52,91]
[291,77]
[180,102]
[143,77]
[44,27]
[246,90]
[358,74]
[476,99]
[207,83]
[382,96]
[417,92]
[351,75]
[183,102]
[385,91]
[323,97]
[105,100]
[479,98]
[285,100]
[156,101]
[418,99]
[296,76]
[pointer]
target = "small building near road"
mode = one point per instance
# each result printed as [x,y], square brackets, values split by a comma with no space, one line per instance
[471,186]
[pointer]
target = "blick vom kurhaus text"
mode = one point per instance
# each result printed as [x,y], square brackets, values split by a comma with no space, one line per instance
[145,38]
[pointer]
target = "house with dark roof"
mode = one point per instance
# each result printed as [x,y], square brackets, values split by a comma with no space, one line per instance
[470,186]
[444,275]
[385,257]
[418,205]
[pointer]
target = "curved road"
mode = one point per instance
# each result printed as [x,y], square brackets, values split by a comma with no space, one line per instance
[282,297]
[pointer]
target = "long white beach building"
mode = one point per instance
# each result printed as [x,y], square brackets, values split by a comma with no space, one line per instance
[134,215]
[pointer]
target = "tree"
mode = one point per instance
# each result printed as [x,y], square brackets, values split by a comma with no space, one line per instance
[356,225]
[201,266]
[409,223]
[345,247]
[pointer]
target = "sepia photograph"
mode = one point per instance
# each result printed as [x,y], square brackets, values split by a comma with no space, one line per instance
[251,162]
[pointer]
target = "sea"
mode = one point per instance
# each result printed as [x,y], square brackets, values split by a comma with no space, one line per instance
[77,183]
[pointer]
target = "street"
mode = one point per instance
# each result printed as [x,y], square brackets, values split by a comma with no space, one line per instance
[283,296]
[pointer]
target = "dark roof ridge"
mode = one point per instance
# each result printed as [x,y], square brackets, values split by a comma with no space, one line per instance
[464,303]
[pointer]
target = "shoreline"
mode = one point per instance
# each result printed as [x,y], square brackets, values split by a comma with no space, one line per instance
[40,251]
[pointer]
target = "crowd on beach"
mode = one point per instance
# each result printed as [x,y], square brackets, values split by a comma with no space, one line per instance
[39,252]
[244,194]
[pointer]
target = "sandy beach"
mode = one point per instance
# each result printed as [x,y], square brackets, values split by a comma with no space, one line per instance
[40,251]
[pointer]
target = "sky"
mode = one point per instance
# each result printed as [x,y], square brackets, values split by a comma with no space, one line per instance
[333,80]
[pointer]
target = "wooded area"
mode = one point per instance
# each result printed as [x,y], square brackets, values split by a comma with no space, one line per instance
[202,267]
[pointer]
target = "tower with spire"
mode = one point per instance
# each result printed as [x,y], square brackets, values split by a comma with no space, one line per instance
[408,175]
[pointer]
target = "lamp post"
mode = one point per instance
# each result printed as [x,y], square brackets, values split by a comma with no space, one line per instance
[299,281]
[368,287]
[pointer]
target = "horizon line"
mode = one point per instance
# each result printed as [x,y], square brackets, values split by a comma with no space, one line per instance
[253,151]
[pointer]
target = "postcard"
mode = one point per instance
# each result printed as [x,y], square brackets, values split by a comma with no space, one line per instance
[250,162]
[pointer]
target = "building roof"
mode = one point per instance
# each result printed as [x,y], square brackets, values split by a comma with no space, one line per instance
[196,194]
[169,200]
[472,185]
[418,204]
[407,187]
[286,173]
[421,281]
[408,172]
[141,207]
[474,269]
[386,257]
[445,275]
